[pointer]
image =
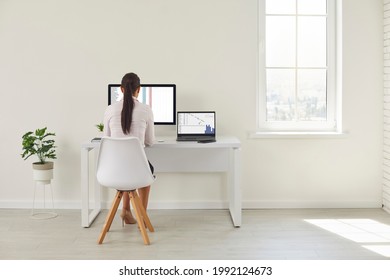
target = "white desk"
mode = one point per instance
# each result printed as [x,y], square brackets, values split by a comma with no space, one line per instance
[172,156]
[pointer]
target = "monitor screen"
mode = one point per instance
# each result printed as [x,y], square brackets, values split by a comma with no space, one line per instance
[160,97]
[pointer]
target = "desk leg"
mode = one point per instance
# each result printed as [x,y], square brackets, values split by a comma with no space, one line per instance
[85,187]
[86,217]
[97,189]
[234,186]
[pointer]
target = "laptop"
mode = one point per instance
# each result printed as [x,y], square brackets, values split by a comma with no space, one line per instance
[197,126]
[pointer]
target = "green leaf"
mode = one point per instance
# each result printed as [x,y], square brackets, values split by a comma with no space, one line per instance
[38,144]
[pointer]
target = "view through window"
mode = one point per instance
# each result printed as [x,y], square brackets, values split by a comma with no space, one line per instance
[297,61]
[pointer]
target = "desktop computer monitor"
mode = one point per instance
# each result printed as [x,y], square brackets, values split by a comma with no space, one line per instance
[160,97]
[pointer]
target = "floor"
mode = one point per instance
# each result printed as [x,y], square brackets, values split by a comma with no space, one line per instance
[299,234]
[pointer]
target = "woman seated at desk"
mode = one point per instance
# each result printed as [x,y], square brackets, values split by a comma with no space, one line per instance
[129,117]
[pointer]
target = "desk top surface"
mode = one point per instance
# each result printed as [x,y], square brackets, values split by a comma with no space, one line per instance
[170,142]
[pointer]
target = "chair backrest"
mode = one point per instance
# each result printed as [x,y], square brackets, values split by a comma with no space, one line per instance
[122,164]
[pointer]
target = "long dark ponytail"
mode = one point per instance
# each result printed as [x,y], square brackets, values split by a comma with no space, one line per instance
[130,83]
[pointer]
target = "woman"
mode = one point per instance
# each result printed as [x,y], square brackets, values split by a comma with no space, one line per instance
[130,117]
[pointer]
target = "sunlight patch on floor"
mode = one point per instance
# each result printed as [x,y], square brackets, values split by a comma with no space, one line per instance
[383,250]
[365,231]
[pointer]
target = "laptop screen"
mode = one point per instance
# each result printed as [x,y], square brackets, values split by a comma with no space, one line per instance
[196,123]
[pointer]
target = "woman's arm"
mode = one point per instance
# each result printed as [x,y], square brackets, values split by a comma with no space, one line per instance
[149,132]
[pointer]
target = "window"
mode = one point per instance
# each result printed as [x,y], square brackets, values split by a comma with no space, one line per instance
[297,66]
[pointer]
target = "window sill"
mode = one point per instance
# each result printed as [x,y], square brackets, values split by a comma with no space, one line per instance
[296,135]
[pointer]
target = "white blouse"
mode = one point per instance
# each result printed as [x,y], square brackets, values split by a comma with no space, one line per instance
[142,125]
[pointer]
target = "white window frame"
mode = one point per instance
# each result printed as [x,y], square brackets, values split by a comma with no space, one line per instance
[333,123]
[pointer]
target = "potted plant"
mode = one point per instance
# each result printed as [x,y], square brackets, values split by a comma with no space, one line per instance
[39,143]
[100,127]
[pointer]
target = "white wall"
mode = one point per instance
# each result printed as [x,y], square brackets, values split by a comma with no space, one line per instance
[57,57]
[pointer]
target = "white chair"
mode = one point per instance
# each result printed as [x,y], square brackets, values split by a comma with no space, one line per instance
[122,165]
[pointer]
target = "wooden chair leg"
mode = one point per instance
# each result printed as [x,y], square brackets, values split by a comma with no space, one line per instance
[118,201]
[110,216]
[144,215]
[141,224]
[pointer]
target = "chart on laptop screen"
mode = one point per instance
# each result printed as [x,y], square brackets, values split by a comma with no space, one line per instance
[196,123]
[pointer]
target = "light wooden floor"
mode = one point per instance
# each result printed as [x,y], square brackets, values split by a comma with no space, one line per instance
[202,234]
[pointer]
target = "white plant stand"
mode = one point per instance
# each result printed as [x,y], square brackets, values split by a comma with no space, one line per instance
[42,178]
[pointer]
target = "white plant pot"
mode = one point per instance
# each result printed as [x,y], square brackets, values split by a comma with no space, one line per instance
[43,173]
